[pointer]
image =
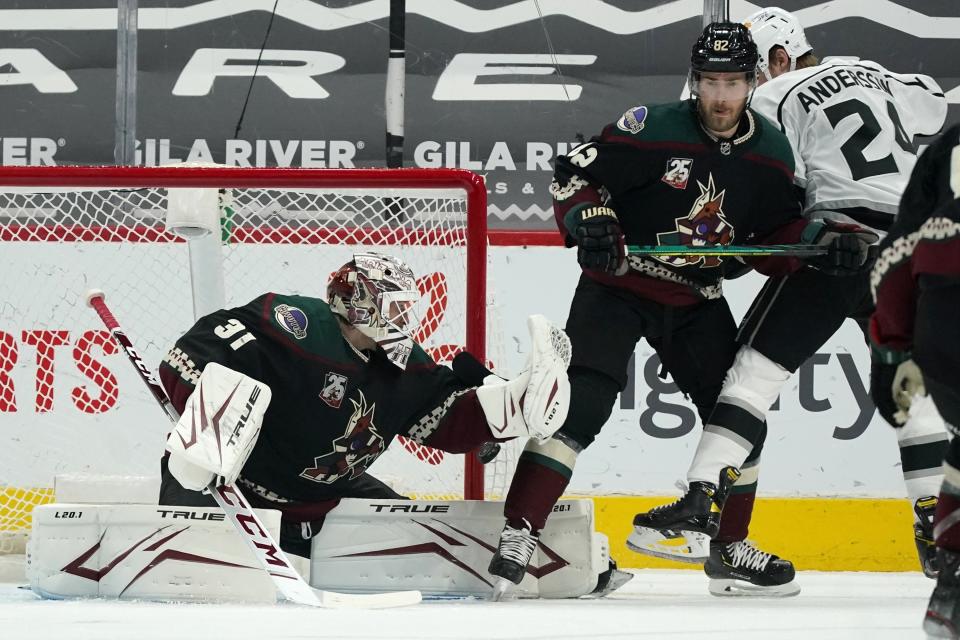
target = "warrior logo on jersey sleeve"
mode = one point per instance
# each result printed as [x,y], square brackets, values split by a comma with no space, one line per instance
[352,452]
[704,225]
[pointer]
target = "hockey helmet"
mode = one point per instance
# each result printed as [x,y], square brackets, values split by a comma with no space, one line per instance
[724,47]
[774,27]
[377,294]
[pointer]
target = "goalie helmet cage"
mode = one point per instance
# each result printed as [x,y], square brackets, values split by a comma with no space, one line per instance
[67,402]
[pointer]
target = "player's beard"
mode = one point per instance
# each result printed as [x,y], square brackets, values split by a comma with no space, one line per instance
[720,117]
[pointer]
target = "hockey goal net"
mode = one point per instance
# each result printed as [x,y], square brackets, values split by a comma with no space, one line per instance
[170,244]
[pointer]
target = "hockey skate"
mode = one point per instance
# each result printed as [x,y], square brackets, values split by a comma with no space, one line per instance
[943,613]
[741,569]
[923,534]
[682,530]
[513,554]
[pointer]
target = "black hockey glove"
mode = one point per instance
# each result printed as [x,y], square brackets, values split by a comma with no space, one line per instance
[850,249]
[600,242]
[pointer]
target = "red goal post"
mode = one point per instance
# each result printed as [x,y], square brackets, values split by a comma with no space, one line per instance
[67,228]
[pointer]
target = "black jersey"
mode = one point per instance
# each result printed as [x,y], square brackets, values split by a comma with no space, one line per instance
[673,183]
[923,240]
[334,409]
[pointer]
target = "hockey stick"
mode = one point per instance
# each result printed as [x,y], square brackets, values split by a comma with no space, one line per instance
[271,557]
[785,250]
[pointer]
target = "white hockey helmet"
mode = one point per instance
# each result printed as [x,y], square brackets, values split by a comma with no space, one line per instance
[772,27]
[377,294]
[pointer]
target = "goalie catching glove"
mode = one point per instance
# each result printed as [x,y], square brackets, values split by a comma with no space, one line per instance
[219,426]
[535,402]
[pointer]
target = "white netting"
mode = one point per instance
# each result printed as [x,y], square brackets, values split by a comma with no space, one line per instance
[70,403]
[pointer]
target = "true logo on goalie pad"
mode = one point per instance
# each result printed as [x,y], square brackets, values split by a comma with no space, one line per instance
[334,389]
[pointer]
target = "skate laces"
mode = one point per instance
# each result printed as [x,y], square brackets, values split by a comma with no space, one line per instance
[679,484]
[517,545]
[745,554]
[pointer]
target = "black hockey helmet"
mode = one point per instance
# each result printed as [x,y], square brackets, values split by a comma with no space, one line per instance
[725,47]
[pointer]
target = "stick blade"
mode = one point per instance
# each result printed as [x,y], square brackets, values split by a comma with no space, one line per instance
[334,600]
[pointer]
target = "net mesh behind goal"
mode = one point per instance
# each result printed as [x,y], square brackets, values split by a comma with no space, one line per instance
[68,401]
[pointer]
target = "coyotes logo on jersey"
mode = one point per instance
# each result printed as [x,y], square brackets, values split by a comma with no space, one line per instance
[704,225]
[352,452]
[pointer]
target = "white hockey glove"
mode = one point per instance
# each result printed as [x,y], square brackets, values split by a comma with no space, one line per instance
[535,402]
[907,384]
[218,428]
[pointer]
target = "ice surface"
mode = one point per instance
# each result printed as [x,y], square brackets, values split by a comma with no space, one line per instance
[657,604]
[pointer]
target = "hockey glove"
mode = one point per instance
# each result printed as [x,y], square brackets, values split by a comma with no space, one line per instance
[895,380]
[600,241]
[850,249]
[218,428]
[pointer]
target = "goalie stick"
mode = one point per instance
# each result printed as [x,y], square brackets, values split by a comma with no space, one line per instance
[787,250]
[274,561]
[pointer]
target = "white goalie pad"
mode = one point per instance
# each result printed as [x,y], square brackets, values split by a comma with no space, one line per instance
[144,552]
[219,427]
[534,403]
[443,548]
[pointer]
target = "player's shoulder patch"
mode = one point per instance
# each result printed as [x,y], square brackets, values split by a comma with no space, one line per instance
[291,319]
[633,120]
[668,121]
[298,316]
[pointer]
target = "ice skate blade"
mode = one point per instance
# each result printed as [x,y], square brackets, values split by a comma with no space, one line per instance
[501,590]
[742,588]
[689,546]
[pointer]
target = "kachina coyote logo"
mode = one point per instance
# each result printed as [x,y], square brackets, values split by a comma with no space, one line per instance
[704,225]
[352,452]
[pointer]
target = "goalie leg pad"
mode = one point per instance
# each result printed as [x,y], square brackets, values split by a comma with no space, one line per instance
[144,552]
[443,549]
[219,427]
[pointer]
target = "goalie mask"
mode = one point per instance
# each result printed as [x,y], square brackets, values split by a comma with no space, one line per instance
[376,294]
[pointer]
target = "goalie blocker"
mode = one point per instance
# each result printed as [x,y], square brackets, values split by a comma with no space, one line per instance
[441,548]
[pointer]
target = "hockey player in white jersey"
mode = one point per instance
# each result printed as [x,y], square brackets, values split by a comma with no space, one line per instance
[851,124]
